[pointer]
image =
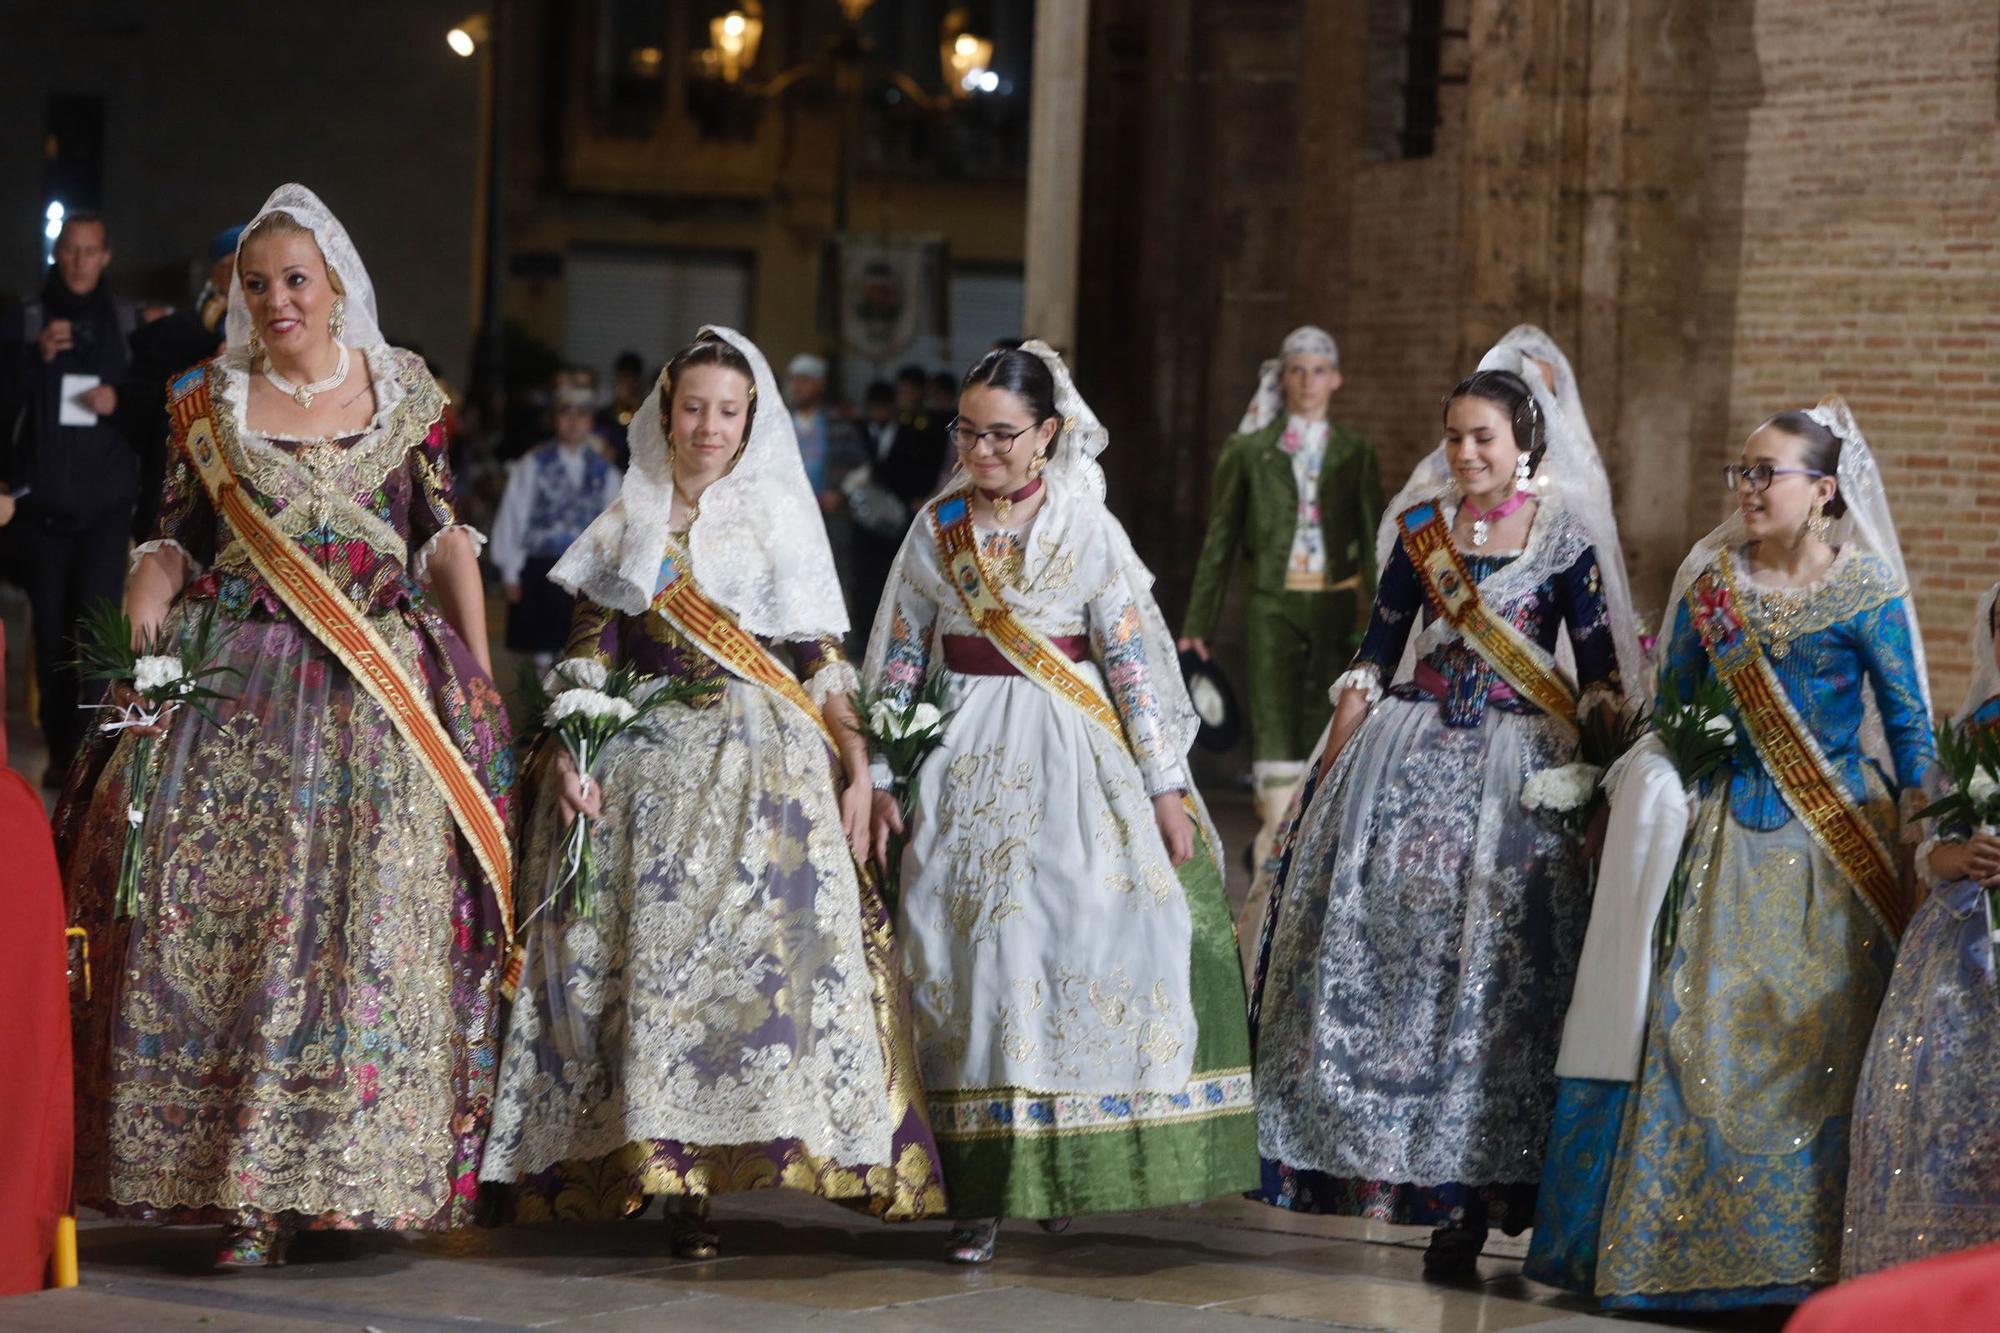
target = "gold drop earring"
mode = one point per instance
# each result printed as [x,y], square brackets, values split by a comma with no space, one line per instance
[1817,523]
[336,322]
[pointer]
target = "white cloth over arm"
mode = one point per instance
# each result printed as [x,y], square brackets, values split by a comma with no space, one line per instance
[1606,1027]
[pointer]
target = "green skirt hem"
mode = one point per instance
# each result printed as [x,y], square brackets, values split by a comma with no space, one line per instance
[1101,1171]
[1119,1168]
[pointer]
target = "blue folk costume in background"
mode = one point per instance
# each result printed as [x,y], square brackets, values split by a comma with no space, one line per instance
[553,493]
[1925,1178]
[1716,1179]
[1423,932]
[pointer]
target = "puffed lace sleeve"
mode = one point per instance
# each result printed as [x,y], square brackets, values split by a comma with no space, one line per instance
[822,666]
[433,502]
[187,521]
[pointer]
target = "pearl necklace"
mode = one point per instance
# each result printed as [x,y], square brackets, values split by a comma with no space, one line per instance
[303,394]
[1482,519]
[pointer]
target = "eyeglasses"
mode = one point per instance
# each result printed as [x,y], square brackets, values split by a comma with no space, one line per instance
[1757,477]
[999,443]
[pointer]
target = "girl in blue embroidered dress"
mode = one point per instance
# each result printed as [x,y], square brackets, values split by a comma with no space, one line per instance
[1726,1183]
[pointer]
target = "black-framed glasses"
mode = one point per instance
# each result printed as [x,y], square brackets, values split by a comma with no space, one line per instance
[999,443]
[1758,476]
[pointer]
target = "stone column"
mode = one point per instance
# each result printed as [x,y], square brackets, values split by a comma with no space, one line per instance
[1055,171]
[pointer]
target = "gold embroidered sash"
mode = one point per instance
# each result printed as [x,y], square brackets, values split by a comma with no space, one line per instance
[1788,748]
[1454,596]
[1031,651]
[327,613]
[733,648]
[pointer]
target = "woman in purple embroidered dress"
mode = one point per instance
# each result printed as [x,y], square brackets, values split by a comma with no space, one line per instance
[294,1029]
[731,1014]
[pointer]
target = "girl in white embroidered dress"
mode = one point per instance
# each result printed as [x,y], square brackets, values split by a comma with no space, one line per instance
[1072,962]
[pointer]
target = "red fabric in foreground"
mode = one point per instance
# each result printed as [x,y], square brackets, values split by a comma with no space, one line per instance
[35,1118]
[1951,1292]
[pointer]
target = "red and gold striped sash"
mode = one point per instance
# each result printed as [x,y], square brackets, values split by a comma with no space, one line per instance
[1454,596]
[1033,653]
[734,648]
[1788,748]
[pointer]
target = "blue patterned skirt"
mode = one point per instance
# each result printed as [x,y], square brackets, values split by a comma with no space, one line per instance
[1730,1174]
[1926,1142]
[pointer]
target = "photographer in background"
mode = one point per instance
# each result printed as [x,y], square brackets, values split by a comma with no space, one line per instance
[70,475]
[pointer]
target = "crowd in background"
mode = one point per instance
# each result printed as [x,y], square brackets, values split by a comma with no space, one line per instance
[83,376]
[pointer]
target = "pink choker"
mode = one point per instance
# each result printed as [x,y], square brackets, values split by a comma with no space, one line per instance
[1482,520]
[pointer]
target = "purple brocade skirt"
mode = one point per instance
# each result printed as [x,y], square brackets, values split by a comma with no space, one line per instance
[297,1022]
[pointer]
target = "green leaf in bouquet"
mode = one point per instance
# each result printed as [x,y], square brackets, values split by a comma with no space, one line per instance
[104,642]
[1605,734]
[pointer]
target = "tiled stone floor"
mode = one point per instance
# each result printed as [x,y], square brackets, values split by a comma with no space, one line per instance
[791,1262]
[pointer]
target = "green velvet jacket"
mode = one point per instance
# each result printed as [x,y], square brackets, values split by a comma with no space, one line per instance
[1253,507]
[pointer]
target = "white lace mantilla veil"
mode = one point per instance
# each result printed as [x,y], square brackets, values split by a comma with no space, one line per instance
[1867,525]
[1077,481]
[759,544]
[1269,399]
[361,330]
[1571,479]
[1985,682]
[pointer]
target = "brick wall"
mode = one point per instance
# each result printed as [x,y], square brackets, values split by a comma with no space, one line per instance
[1859,257]
[1779,200]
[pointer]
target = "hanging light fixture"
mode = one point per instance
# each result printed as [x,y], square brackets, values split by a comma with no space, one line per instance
[733,39]
[469,36]
[966,57]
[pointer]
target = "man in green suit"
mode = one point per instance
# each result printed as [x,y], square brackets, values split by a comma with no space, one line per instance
[1299,495]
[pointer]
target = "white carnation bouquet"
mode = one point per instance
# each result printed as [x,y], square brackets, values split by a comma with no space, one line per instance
[164,674]
[1564,796]
[585,705]
[903,735]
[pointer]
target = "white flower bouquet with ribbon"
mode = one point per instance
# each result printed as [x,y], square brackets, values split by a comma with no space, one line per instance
[902,736]
[585,705]
[1969,756]
[1563,796]
[164,675]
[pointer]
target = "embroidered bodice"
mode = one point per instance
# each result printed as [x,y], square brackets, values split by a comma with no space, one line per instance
[1063,589]
[366,508]
[1449,670]
[650,643]
[1823,642]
